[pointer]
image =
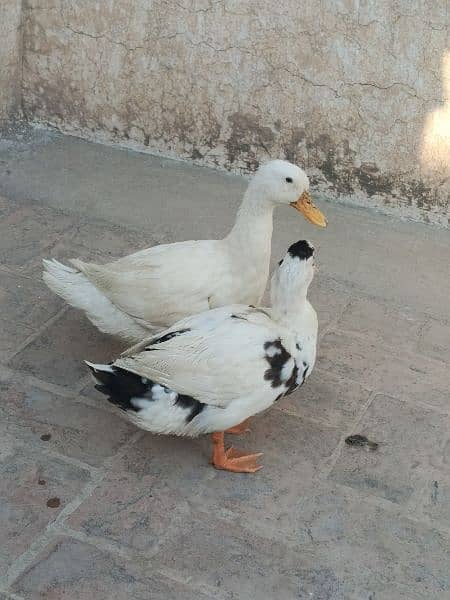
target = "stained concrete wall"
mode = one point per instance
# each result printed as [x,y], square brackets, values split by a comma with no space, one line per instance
[10,58]
[357,91]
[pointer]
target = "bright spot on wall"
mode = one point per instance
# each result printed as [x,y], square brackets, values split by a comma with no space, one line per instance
[435,152]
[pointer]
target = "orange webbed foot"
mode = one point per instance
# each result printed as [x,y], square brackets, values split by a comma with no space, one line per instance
[233,460]
[241,428]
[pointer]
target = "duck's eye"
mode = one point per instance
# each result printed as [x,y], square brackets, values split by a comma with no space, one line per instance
[289,179]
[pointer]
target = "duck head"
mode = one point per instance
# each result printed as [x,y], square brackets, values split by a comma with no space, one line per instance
[281,182]
[292,277]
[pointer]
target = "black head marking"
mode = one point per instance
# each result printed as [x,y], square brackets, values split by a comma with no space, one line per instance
[301,250]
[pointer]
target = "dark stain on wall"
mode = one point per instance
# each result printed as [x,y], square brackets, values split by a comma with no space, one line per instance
[248,137]
[291,146]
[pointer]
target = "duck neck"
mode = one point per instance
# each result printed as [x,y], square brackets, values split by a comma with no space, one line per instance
[287,309]
[252,231]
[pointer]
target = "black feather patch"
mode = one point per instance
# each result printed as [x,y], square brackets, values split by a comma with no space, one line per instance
[301,250]
[121,386]
[194,405]
[167,337]
[277,356]
[304,374]
[291,383]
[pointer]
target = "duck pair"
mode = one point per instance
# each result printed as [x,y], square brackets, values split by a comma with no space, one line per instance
[221,360]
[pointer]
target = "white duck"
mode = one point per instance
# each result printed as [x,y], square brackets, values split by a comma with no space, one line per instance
[212,371]
[144,292]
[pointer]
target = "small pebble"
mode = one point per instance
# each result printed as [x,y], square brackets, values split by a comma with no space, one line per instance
[45,437]
[53,502]
[360,440]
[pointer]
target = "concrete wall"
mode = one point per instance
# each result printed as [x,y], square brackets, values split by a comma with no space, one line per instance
[357,91]
[10,58]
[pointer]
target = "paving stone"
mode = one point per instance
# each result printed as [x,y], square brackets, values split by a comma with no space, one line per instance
[27,301]
[410,376]
[329,298]
[348,356]
[57,355]
[413,378]
[411,441]
[100,242]
[26,233]
[76,570]
[326,398]
[240,564]
[436,492]
[435,340]
[27,482]
[75,430]
[436,504]
[89,391]
[395,592]
[381,324]
[7,206]
[144,493]
[293,449]
[12,335]
[374,551]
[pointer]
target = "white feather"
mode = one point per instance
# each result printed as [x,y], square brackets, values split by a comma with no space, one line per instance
[79,292]
[100,367]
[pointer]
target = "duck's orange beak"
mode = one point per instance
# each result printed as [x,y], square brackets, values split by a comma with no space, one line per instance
[311,213]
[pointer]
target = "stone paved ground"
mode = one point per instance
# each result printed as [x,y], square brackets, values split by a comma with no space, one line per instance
[93,508]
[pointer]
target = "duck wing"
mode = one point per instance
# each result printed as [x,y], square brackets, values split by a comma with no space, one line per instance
[215,357]
[164,283]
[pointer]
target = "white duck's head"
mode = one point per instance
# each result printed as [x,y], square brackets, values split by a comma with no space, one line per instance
[292,277]
[281,182]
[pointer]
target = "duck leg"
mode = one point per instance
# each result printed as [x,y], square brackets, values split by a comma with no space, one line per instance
[231,459]
[241,428]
